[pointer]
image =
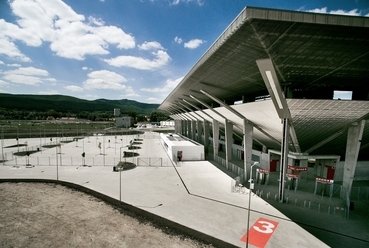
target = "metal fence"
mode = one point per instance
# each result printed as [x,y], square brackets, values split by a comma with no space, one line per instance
[232,168]
[152,162]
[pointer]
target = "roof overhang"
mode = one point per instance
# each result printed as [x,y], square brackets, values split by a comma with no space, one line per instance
[313,55]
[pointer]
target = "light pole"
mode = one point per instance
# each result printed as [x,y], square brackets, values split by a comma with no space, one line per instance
[120,174]
[2,144]
[251,187]
[18,137]
[57,167]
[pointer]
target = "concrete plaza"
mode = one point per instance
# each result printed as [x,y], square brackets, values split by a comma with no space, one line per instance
[197,195]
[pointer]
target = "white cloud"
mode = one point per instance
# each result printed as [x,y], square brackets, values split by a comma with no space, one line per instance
[353,12]
[1,62]
[29,71]
[13,65]
[9,49]
[192,44]
[114,35]
[176,2]
[168,86]
[152,45]
[130,92]
[96,21]
[324,10]
[68,33]
[28,76]
[178,40]
[161,59]
[74,88]
[153,100]
[105,80]
[22,79]
[48,92]
[3,83]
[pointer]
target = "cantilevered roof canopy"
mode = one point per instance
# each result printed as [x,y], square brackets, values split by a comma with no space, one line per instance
[310,51]
[313,54]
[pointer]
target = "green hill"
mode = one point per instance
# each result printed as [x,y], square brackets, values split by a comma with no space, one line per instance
[68,104]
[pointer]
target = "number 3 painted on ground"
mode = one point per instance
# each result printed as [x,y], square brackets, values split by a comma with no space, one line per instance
[266,227]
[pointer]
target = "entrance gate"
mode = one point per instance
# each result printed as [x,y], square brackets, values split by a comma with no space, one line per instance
[155,162]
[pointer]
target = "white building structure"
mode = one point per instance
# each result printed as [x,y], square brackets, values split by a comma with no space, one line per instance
[180,148]
[124,121]
[116,112]
[167,123]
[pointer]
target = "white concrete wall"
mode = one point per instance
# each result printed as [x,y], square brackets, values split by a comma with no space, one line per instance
[190,153]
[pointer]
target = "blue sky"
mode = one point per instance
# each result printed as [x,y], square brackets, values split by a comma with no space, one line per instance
[119,49]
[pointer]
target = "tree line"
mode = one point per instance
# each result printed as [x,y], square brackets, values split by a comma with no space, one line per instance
[15,114]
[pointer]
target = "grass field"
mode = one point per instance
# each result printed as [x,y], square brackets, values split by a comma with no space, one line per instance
[35,129]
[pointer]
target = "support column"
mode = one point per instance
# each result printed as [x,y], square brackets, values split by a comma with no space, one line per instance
[178,126]
[265,159]
[247,146]
[284,160]
[199,132]
[189,130]
[193,130]
[228,141]
[215,138]
[184,127]
[354,136]
[206,135]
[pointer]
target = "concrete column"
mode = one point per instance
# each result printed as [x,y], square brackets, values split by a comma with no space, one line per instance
[228,140]
[178,128]
[193,130]
[199,132]
[264,158]
[206,135]
[215,137]
[247,146]
[354,136]
[184,127]
[189,129]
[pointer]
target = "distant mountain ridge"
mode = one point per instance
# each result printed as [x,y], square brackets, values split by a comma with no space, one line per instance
[62,103]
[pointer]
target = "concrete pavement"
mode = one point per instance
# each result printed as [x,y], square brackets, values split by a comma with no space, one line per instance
[197,195]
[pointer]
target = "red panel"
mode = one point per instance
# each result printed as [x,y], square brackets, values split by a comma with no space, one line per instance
[273,165]
[260,232]
[330,172]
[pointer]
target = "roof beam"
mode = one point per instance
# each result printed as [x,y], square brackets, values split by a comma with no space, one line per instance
[180,114]
[239,115]
[202,111]
[333,136]
[192,112]
[271,81]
